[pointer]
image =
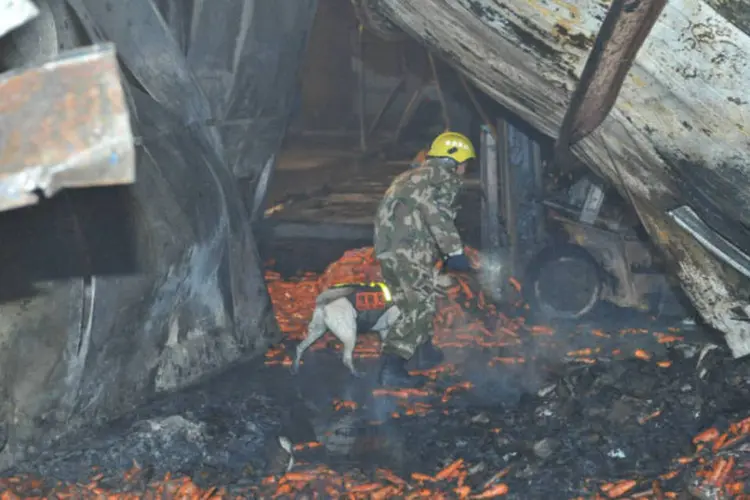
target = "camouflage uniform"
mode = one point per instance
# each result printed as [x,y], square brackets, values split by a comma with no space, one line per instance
[414,227]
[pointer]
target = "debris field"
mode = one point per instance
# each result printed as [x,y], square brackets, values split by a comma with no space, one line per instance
[623,406]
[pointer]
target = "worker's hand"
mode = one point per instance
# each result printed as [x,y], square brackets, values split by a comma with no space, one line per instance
[459,263]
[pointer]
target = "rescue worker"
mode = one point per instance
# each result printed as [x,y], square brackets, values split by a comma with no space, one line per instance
[414,227]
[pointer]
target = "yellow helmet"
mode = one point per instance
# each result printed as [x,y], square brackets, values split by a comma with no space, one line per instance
[452,145]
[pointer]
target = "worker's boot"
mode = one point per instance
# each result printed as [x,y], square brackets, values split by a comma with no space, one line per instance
[428,355]
[393,373]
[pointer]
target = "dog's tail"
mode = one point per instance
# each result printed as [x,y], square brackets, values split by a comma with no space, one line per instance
[332,294]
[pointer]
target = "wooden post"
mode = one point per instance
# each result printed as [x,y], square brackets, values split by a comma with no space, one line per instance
[490,186]
[362,88]
[536,158]
[508,198]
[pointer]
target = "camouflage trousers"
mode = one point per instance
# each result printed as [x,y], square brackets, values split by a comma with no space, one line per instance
[413,290]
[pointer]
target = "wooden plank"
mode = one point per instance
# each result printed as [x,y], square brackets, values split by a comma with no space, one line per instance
[362,88]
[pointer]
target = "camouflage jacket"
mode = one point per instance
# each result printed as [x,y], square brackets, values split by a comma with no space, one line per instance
[415,219]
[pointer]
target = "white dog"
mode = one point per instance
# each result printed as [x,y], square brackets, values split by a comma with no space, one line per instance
[347,311]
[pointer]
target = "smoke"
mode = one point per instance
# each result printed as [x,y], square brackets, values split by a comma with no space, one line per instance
[493,274]
[528,367]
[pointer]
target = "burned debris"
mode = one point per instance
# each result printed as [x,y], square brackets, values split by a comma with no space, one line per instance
[570,369]
[575,411]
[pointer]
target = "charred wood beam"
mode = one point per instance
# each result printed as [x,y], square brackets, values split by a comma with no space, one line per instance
[362,88]
[625,28]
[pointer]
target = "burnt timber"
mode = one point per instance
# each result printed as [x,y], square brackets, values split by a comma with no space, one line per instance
[676,136]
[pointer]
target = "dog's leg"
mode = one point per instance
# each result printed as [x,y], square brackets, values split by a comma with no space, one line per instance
[341,318]
[315,330]
[384,323]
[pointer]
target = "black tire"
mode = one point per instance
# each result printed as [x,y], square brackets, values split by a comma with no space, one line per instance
[573,274]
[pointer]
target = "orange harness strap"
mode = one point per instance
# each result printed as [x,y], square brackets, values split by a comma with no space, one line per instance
[368,301]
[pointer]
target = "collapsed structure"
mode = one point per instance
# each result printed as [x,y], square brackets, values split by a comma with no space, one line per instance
[151,287]
[675,144]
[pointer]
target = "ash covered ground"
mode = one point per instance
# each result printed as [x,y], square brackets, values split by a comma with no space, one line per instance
[620,407]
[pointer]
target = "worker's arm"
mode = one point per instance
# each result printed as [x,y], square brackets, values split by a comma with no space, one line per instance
[437,205]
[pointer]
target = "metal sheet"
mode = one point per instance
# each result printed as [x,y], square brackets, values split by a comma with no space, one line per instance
[65,126]
[14,13]
[491,190]
[725,250]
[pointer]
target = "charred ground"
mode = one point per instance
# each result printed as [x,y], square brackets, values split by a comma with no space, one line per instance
[548,412]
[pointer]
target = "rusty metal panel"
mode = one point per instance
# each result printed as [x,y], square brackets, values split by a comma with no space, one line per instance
[14,13]
[711,239]
[64,124]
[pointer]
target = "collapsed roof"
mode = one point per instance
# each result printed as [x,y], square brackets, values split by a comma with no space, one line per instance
[675,142]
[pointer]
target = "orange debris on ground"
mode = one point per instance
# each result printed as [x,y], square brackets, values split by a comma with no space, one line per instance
[464,319]
[714,463]
[716,469]
[458,326]
[14,488]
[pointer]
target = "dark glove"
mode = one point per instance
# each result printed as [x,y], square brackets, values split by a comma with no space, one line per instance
[459,263]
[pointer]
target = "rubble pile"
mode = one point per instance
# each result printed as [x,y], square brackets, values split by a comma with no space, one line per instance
[605,380]
[516,411]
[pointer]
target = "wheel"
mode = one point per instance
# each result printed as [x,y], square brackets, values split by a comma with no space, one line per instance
[563,282]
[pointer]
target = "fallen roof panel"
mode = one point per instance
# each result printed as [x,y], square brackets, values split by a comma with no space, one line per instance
[64,124]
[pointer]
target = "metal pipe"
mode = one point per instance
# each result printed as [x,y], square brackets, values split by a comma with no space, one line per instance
[509,200]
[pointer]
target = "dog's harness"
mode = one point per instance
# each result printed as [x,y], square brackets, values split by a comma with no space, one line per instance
[368,296]
[370,300]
